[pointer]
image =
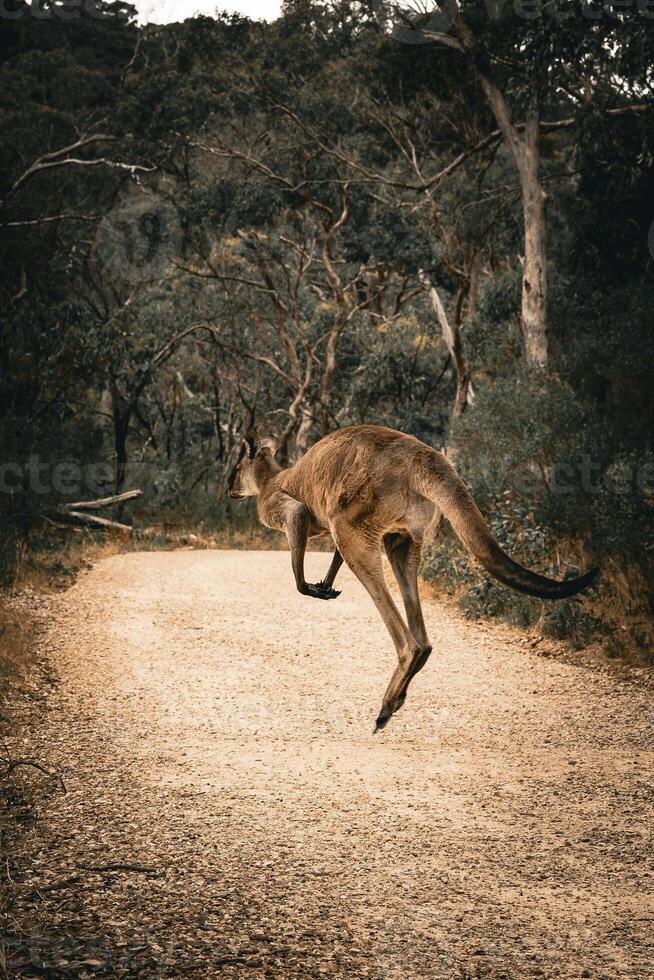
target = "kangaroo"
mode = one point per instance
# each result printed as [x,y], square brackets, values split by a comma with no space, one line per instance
[374,488]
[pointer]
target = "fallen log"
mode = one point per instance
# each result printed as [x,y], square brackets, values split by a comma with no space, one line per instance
[99,521]
[118,498]
[77,511]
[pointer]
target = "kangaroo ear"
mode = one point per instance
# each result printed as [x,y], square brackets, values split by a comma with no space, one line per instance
[250,447]
[269,442]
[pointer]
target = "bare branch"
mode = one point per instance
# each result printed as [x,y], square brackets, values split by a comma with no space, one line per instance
[439,38]
[103,501]
[74,161]
[54,158]
[49,219]
[169,347]
[100,521]
[482,144]
[94,869]
[230,153]
[16,763]
[135,54]
[260,358]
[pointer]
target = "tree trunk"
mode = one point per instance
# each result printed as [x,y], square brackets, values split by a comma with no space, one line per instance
[121,429]
[525,152]
[328,379]
[122,414]
[534,273]
[303,436]
[452,338]
[524,149]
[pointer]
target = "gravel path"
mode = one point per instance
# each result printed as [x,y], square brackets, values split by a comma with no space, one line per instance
[216,727]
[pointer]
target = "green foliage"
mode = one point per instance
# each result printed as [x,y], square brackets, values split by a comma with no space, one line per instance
[398,376]
[569,622]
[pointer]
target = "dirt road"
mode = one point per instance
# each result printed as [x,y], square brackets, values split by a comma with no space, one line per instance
[216,727]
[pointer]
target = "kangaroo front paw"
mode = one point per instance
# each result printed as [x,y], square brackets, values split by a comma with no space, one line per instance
[321,591]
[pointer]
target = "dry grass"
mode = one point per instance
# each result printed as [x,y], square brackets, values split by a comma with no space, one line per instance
[16,647]
[625,605]
[609,625]
[52,559]
[16,659]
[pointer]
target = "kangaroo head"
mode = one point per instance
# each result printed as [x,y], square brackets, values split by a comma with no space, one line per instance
[253,470]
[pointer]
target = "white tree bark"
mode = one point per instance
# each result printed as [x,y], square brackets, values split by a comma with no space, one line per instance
[524,148]
[534,273]
[452,337]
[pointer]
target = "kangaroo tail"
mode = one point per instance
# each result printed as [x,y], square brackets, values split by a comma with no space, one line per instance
[439,482]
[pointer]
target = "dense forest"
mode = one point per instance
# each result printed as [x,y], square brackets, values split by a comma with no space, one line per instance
[435,219]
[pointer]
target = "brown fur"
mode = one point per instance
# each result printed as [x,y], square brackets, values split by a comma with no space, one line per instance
[374,488]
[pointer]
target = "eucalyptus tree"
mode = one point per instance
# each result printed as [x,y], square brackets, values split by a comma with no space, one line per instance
[538,68]
[274,220]
[530,62]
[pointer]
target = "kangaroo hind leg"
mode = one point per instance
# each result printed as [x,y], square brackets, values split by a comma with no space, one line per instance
[404,556]
[363,555]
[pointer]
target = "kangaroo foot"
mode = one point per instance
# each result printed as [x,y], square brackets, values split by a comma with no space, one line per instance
[320,591]
[387,711]
[395,702]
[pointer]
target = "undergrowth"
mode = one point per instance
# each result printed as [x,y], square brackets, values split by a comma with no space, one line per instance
[613,616]
[16,806]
